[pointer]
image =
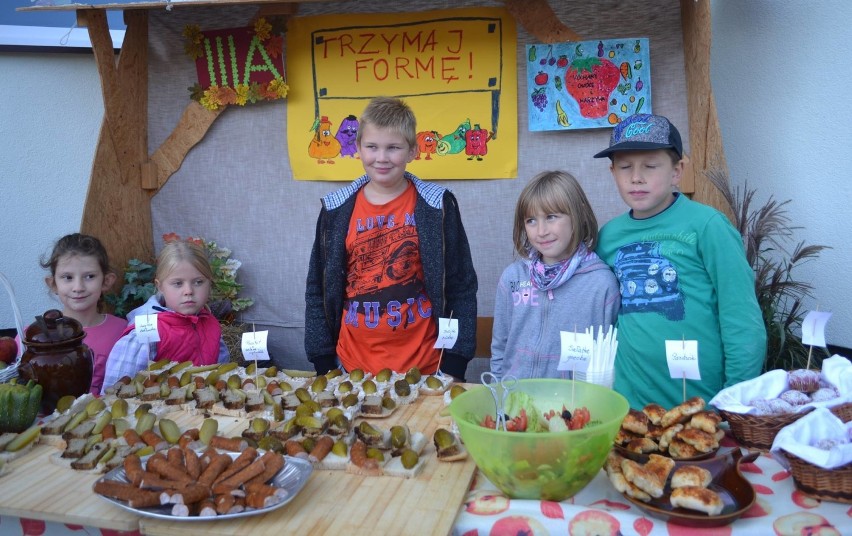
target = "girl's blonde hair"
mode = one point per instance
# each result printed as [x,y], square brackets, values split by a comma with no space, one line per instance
[178,251]
[555,192]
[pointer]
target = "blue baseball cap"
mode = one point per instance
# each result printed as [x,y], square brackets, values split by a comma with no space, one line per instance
[643,132]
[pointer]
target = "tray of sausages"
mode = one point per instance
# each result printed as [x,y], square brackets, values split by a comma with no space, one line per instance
[181,484]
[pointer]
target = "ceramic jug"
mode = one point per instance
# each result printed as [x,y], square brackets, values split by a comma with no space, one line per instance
[56,358]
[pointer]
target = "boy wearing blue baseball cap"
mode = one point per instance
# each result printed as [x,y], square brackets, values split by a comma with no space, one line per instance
[682,271]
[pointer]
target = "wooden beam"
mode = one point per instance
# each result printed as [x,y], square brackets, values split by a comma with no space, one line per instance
[705,138]
[117,210]
[190,129]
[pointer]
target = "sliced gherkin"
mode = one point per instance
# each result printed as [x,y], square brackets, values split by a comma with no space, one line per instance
[384,375]
[369,387]
[433,383]
[413,375]
[356,375]
[409,458]
[402,388]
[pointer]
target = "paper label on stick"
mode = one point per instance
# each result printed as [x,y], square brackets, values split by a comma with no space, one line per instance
[682,357]
[813,328]
[146,328]
[448,332]
[254,346]
[576,351]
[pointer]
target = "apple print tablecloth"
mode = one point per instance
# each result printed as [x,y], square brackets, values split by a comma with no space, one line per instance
[600,510]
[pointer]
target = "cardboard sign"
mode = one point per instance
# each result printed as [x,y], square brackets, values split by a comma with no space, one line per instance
[448,332]
[146,328]
[576,351]
[682,358]
[813,328]
[254,346]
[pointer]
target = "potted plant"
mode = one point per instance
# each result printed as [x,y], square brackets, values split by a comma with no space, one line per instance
[767,232]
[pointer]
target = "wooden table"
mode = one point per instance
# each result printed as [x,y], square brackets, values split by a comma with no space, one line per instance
[332,502]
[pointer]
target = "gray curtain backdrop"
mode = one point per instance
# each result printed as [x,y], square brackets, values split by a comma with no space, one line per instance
[235,187]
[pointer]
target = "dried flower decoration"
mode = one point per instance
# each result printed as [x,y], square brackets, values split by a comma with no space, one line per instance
[218,55]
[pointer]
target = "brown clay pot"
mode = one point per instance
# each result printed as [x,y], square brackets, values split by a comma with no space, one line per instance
[56,358]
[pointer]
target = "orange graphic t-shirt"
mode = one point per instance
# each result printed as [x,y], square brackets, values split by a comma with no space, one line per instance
[387,316]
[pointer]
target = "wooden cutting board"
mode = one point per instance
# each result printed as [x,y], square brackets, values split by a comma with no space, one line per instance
[332,502]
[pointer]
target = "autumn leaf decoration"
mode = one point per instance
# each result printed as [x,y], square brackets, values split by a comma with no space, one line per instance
[264,79]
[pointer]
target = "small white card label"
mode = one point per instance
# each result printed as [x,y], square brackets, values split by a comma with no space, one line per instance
[254,346]
[682,357]
[146,328]
[576,351]
[448,332]
[813,328]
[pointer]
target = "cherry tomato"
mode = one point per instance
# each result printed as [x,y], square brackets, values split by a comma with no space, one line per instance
[580,419]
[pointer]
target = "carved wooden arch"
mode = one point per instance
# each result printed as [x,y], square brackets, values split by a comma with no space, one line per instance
[124,178]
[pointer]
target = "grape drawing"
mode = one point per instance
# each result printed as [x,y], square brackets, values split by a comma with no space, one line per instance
[539,99]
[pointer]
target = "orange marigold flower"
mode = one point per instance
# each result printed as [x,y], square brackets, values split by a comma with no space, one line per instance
[262,29]
[171,237]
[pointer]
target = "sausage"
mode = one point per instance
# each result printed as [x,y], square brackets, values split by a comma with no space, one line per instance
[133,468]
[273,463]
[240,462]
[321,448]
[239,478]
[167,470]
[122,491]
[192,463]
[232,444]
[214,469]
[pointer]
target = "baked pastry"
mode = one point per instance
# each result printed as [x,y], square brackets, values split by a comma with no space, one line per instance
[698,439]
[644,479]
[642,445]
[707,421]
[654,412]
[681,450]
[682,412]
[669,434]
[804,380]
[623,437]
[795,398]
[777,405]
[824,393]
[691,475]
[697,498]
[635,421]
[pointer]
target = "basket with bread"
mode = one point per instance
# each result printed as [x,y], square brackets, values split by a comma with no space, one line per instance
[757,409]
[817,450]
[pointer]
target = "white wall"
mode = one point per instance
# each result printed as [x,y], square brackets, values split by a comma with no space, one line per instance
[781,80]
[779,77]
[49,122]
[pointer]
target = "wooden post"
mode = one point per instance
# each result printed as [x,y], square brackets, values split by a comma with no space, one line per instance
[118,209]
[705,138]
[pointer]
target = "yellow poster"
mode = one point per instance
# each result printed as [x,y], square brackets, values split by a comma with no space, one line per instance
[455,68]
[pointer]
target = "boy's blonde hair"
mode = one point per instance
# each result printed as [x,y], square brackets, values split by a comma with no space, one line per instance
[178,251]
[555,192]
[392,114]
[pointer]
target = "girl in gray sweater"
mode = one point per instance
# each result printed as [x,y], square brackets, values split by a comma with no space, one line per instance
[558,284]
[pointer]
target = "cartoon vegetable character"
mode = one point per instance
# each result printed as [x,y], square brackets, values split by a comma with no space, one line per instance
[476,142]
[323,145]
[590,81]
[427,142]
[346,136]
[455,142]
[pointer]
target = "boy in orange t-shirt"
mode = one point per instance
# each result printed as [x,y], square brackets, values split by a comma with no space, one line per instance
[390,257]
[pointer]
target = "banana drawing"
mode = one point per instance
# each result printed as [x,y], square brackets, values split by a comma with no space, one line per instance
[561,116]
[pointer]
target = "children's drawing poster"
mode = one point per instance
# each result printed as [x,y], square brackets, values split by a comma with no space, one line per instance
[457,69]
[587,84]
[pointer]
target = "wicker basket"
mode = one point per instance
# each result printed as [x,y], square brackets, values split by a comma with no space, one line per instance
[758,431]
[819,483]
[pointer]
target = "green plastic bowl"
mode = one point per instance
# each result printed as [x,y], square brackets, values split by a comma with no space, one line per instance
[542,465]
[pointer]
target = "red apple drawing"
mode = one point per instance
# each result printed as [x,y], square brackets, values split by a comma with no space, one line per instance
[8,349]
[541,78]
[519,526]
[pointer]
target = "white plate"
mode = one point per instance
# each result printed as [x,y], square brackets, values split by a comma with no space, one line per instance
[291,478]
